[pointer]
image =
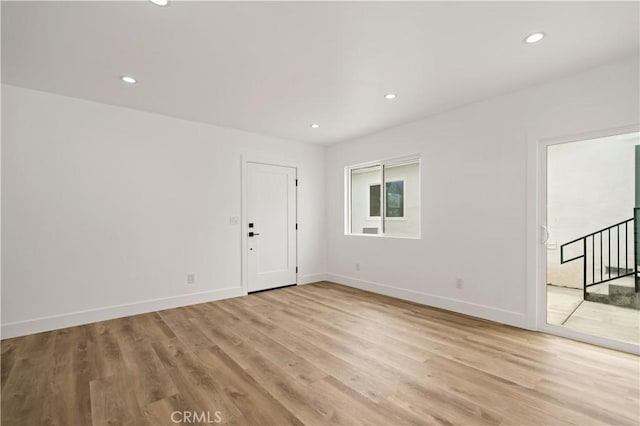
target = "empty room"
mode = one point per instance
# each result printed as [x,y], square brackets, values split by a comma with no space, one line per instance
[320,213]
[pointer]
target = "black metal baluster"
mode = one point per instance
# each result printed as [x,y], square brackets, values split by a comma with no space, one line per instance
[600,256]
[584,270]
[618,248]
[636,256]
[593,259]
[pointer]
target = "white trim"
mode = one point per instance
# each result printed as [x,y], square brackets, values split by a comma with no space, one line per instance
[399,159]
[516,319]
[383,201]
[536,250]
[55,322]
[311,278]
[347,201]
[403,237]
[244,225]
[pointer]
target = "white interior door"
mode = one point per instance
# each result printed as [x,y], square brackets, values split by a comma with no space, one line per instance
[271,222]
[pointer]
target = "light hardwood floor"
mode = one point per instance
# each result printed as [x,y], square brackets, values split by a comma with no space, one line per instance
[317,354]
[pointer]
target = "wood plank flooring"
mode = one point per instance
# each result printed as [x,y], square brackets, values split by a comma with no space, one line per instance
[319,354]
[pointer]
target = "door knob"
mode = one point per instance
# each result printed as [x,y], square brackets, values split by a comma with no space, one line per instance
[253,234]
[546,234]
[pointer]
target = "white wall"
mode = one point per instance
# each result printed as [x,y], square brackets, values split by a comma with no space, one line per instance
[476,194]
[105,210]
[590,186]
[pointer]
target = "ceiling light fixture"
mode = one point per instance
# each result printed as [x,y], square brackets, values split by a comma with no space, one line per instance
[160,2]
[315,126]
[533,38]
[128,79]
[390,96]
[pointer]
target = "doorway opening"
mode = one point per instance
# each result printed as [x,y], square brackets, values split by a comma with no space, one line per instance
[592,244]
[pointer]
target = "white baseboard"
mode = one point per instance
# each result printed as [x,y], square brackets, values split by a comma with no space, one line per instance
[516,319]
[55,322]
[311,278]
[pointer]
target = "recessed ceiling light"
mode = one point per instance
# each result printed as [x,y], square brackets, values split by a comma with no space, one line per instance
[534,38]
[128,79]
[315,126]
[160,2]
[390,96]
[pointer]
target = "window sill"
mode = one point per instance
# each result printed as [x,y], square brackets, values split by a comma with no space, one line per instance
[391,219]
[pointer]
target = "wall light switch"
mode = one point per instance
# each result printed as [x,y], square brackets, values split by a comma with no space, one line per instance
[234,220]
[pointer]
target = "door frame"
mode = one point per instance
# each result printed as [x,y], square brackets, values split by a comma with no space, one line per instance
[537,294]
[244,203]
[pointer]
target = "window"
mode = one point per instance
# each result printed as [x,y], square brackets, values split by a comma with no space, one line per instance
[374,200]
[395,199]
[400,202]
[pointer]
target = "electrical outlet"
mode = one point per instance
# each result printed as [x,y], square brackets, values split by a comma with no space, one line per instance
[357,266]
[459,283]
[191,278]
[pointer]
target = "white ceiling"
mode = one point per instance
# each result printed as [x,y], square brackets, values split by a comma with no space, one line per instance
[275,68]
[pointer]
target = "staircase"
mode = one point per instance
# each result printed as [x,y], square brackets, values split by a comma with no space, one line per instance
[611,265]
[616,294]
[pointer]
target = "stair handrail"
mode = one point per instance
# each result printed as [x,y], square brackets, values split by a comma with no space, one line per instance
[592,235]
